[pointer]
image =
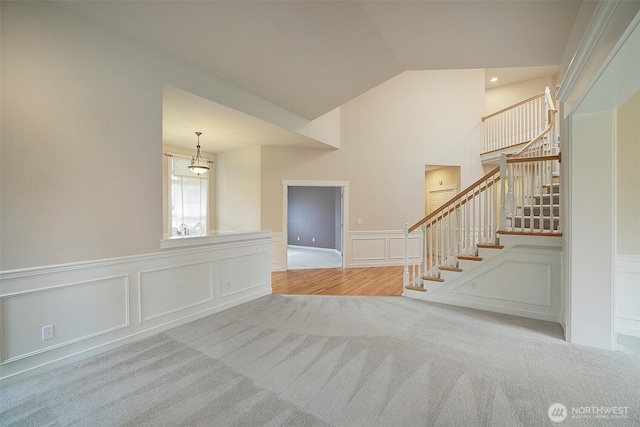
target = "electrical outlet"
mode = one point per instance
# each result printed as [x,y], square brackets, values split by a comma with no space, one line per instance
[298,238]
[474,285]
[313,239]
[47,332]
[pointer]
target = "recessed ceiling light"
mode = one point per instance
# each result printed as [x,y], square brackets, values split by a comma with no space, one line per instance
[494,79]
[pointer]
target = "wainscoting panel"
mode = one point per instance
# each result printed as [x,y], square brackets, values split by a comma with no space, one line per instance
[530,283]
[374,248]
[242,273]
[67,308]
[627,292]
[99,305]
[523,281]
[167,290]
[369,248]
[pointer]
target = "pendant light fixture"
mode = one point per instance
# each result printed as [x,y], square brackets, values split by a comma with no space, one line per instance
[198,163]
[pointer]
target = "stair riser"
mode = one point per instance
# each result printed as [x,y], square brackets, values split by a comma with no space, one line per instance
[552,189]
[526,223]
[546,199]
[546,210]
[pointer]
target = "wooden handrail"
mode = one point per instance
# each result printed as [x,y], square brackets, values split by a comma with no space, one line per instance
[550,114]
[456,198]
[540,95]
[533,159]
[457,205]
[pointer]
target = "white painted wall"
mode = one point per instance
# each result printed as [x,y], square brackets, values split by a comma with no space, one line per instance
[627,293]
[238,189]
[628,176]
[389,134]
[504,96]
[592,235]
[84,106]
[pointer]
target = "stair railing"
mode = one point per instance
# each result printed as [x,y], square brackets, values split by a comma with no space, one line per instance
[530,195]
[530,200]
[453,229]
[527,200]
[514,125]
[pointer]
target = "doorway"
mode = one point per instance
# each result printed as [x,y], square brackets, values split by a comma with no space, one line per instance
[441,183]
[313,223]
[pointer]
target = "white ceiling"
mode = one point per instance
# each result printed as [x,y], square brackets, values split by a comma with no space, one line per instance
[223,128]
[310,57]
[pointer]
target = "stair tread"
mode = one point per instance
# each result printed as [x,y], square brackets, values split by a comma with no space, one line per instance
[469,257]
[433,278]
[449,268]
[533,216]
[489,246]
[532,232]
[416,288]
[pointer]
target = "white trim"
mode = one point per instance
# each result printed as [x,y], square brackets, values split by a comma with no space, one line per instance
[602,32]
[315,248]
[601,17]
[482,306]
[219,237]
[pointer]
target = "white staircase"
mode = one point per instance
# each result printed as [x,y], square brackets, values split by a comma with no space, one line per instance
[496,244]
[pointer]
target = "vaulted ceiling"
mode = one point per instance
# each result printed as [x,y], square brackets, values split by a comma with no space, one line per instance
[310,57]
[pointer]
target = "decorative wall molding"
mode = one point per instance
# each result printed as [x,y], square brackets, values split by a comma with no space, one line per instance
[496,285]
[164,290]
[627,293]
[89,302]
[378,248]
[361,249]
[26,310]
[601,17]
[603,37]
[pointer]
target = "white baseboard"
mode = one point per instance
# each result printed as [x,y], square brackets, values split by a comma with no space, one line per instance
[335,251]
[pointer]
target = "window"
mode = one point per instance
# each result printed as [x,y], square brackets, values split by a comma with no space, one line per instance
[188,198]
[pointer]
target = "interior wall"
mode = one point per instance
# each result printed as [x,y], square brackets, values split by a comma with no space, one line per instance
[627,290]
[592,236]
[628,176]
[238,189]
[444,177]
[85,106]
[388,135]
[504,96]
[172,149]
[312,216]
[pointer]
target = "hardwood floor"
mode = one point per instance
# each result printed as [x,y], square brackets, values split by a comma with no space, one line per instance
[373,281]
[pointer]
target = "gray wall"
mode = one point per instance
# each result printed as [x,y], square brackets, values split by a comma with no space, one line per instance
[313,213]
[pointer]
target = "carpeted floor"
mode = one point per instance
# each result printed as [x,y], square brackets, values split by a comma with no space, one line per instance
[341,361]
[303,258]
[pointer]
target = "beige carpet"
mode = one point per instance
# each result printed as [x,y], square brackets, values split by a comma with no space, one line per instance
[341,361]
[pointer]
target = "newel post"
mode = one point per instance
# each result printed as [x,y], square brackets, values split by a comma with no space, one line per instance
[503,188]
[405,273]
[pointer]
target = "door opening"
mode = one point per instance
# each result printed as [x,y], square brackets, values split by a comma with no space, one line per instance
[313,225]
